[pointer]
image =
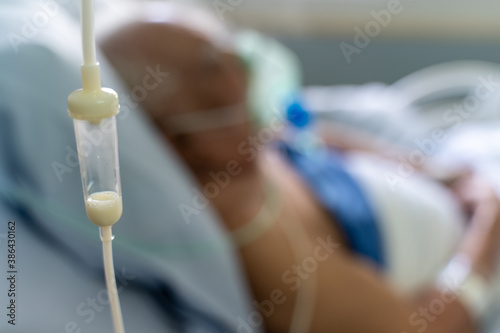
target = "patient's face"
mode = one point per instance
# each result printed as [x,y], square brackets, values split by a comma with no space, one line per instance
[201,106]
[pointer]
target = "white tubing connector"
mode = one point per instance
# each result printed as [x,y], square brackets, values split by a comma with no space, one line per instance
[92,103]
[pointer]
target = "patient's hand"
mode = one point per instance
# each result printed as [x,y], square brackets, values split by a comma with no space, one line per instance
[470,190]
[482,238]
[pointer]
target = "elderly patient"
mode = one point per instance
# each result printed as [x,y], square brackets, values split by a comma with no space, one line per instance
[312,240]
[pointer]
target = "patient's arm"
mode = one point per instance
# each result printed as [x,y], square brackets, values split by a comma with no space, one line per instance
[350,295]
[347,139]
[354,299]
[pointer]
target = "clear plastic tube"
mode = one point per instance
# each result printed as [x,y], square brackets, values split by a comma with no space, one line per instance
[109,271]
[97,144]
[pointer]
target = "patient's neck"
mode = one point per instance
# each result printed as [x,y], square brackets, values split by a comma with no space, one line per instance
[238,195]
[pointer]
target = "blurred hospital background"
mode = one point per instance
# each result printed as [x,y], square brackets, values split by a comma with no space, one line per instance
[424,33]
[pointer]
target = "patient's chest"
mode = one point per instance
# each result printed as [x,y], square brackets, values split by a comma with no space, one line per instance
[300,201]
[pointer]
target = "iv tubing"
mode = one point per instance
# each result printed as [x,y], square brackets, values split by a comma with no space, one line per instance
[89,55]
[303,312]
[114,302]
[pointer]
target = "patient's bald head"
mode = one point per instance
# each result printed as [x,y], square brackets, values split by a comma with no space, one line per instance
[186,68]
